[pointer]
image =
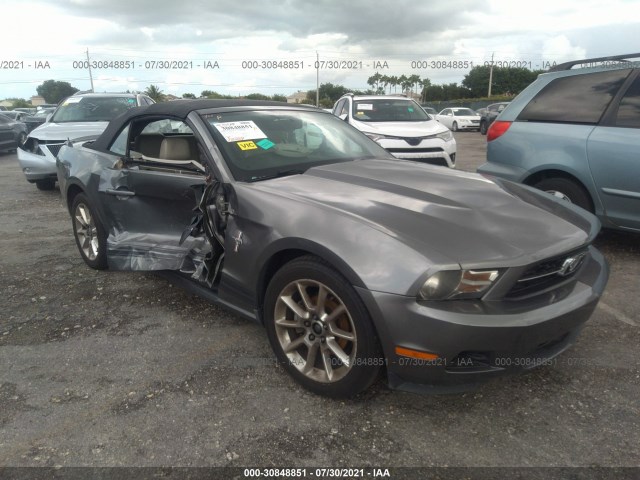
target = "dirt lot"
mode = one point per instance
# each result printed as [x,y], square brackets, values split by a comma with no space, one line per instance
[124,369]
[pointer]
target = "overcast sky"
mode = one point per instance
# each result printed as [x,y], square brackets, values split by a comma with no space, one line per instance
[356,32]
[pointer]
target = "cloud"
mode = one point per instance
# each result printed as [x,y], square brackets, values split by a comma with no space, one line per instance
[358,20]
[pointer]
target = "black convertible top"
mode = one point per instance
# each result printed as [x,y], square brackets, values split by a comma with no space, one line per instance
[180,109]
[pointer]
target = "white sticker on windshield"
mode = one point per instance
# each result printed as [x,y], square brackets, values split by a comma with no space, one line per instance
[239,131]
[364,106]
[72,100]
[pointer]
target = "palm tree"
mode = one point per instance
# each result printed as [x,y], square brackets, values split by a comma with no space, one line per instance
[155,93]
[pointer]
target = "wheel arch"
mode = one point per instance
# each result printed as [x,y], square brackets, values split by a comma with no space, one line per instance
[289,249]
[545,174]
[72,192]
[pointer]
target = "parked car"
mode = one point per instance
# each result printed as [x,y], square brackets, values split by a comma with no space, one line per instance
[400,126]
[430,110]
[459,119]
[489,115]
[15,115]
[47,105]
[79,115]
[574,133]
[28,111]
[37,119]
[12,133]
[352,259]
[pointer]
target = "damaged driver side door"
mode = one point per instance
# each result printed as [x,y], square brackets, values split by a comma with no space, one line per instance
[150,196]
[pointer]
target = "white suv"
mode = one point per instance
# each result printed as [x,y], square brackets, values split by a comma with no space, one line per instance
[400,126]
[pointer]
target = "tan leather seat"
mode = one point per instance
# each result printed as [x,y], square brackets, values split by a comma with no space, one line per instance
[175,148]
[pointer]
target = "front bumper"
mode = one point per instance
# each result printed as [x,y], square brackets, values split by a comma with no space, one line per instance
[476,340]
[37,167]
[433,151]
[469,126]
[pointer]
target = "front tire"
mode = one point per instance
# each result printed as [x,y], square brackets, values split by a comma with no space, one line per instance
[89,233]
[568,190]
[320,330]
[483,128]
[454,127]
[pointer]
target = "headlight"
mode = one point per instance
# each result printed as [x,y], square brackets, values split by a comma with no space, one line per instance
[446,135]
[375,136]
[450,284]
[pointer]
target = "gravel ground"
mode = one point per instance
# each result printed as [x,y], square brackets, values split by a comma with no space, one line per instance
[124,369]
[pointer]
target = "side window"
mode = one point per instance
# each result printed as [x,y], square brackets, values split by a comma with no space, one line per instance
[629,109]
[119,145]
[338,108]
[575,99]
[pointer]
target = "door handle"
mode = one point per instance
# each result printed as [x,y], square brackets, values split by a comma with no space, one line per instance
[120,193]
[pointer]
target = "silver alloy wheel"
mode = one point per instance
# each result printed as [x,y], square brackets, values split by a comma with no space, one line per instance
[86,231]
[559,195]
[315,330]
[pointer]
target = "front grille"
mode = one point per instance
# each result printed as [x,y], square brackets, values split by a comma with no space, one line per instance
[54,148]
[548,273]
[415,150]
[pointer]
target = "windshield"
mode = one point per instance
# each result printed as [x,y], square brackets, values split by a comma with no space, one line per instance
[264,144]
[464,112]
[92,109]
[388,110]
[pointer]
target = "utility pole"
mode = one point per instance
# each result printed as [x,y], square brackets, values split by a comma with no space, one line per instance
[89,65]
[317,79]
[490,76]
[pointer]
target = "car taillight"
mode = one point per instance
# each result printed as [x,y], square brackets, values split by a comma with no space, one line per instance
[497,129]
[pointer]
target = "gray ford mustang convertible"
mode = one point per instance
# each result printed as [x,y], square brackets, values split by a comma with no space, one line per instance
[355,262]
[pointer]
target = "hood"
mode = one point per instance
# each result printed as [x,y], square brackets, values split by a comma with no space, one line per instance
[70,130]
[402,129]
[463,217]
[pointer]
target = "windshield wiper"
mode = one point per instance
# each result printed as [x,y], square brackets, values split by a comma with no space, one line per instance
[280,173]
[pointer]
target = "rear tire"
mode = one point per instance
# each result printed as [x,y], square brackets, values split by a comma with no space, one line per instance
[46,185]
[568,190]
[320,330]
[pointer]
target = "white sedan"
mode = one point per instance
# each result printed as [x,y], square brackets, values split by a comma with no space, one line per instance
[459,119]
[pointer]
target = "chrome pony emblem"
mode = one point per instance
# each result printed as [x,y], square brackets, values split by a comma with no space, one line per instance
[571,264]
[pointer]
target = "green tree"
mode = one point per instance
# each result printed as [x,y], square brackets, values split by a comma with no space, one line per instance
[155,93]
[212,94]
[188,95]
[279,98]
[374,81]
[19,103]
[53,91]
[414,81]
[329,94]
[257,96]
[424,83]
[505,80]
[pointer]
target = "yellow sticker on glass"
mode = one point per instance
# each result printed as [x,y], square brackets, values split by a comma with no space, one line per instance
[247,145]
